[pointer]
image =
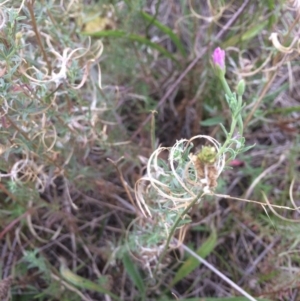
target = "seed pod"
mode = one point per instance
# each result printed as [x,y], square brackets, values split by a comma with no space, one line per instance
[205,165]
[212,176]
[199,166]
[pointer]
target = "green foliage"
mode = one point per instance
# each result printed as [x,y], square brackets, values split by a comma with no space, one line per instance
[34,264]
[62,116]
[165,29]
[134,274]
[134,38]
[84,283]
[35,261]
[192,263]
[212,121]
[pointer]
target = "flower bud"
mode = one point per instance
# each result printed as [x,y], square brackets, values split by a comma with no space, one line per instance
[218,58]
[241,87]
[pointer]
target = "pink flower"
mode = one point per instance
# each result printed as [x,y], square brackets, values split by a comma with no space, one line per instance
[219,57]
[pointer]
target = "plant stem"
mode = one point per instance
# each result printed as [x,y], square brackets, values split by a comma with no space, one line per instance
[37,34]
[153,131]
[240,120]
[172,231]
[225,86]
[228,139]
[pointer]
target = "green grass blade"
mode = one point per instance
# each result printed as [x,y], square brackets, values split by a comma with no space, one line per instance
[167,30]
[82,282]
[132,37]
[249,34]
[134,274]
[212,121]
[284,111]
[254,31]
[192,263]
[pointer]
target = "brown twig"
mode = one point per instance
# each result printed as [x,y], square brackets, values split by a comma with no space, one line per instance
[36,31]
[124,183]
[13,223]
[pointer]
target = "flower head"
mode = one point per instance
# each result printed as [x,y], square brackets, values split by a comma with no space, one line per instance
[219,57]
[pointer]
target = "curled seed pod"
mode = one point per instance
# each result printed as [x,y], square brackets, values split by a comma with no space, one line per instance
[208,163]
[212,176]
[207,158]
[199,166]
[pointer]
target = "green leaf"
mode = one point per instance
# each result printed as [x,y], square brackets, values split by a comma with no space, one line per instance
[247,148]
[232,154]
[132,37]
[133,273]
[83,282]
[223,128]
[284,111]
[254,31]
[192,263]
[249,34]
[212,121]
[167,30]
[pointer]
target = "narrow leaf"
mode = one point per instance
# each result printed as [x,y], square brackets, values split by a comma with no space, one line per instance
[133,273]
[192,263]
[133,37]
[254,31]
[83,282]
[247,148]
[249,34]
[212,121]
[223,128]
[167,30]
